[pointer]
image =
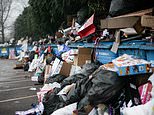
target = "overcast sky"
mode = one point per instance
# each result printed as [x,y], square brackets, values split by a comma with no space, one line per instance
[16,9]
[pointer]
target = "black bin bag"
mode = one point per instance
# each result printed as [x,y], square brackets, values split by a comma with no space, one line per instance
[72,79]
[81,88]
[52,103]
[87,69]
[55,78]
[106,86]
[120,7]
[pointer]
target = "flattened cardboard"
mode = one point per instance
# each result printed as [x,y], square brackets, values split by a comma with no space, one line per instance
[116,43]
[47,72]
[84,54]
[85,51]
[147,21]
[65,69]
[126,21]
[115,47]
[138,27]
[121,22]
[60,67]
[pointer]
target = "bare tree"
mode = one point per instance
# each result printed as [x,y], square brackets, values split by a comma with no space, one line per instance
[5,6]
[24,3]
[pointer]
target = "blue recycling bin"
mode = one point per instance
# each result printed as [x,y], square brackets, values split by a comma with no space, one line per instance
[149,50]
[4,52]
[105,55]
[133,48]
[17,49]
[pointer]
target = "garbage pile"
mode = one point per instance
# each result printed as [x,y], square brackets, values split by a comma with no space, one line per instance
[73,84]
[77,81]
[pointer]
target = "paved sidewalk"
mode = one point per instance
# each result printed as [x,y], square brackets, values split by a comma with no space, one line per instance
[15,93]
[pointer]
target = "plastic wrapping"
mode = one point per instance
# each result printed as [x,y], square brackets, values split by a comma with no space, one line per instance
[106,85]
[55,78]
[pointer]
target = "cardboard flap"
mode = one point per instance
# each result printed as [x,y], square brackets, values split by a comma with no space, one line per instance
[147,21]
[121,22]
[127,20]
[66,68]
[84,51]
[84,54]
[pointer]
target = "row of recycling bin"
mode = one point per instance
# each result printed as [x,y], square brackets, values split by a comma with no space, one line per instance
[138,48]
[5,51]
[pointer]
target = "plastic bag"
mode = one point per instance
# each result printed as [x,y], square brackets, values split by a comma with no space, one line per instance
[106,85]
[151,79]
[89,68]
[119,7]
[26,66]
[33,65]
[72,79]
[52,103]
[146,109]
[55,78]
[50,59]
[42,91]
[67,110]
[37,110]
[84,106]
[81,89]
[69,55]
[66,89]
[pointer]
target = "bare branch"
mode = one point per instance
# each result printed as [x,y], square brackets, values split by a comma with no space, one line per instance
[5,6]
[8,11]
[23,3]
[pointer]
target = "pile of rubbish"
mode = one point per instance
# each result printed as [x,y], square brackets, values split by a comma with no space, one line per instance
[74,84]
[76,81]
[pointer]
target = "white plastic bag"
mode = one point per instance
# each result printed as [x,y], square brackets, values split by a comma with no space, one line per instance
[69,55]
[67,110]
[146,109]
[33,65]
[152,81]
[66,89]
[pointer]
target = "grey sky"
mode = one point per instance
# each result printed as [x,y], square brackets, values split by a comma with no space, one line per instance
[16,9]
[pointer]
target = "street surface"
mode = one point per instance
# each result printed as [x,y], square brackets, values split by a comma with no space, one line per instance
[15,85]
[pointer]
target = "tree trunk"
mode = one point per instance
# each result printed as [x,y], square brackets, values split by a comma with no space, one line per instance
[3,35]
[5,6]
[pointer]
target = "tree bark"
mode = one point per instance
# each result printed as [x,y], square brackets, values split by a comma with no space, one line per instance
[3,34]
[4,13]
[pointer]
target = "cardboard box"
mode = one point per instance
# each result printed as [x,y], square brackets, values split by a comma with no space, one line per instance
[47,72]
[109,66]
[65,69]
[147,21]
[84,55]
[119,22]
[153,69]
[122,22]
[126,21]
[127,65]
[60,67]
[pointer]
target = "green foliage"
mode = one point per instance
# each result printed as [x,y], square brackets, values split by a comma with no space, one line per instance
[44,17]
[25,24]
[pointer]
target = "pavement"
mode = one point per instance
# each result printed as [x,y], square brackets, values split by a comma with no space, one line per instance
[17,91]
